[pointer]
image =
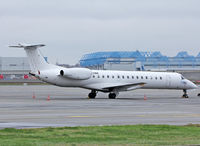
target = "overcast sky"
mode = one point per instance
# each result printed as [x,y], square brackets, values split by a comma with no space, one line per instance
[72,28]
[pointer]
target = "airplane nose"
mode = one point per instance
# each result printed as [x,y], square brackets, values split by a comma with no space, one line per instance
[192,85]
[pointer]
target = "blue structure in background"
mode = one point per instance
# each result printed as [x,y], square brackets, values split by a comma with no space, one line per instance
[148,60]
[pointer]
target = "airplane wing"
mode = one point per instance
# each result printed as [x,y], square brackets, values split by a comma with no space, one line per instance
[126,87]
[117,86]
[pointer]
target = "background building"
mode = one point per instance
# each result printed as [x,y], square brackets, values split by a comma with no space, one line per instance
[187,65]
[137,60]
[15,68]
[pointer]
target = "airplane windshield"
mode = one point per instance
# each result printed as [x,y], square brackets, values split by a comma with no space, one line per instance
[182,78]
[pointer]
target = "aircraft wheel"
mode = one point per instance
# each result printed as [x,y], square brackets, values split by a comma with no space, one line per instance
[185,95]
[92,95]
[112,96]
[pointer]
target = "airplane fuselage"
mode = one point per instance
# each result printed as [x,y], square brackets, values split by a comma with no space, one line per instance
[103,78]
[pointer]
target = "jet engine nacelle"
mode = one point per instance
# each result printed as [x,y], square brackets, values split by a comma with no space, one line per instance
[76,73]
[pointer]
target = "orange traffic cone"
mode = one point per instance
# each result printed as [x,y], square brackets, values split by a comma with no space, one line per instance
[145,98]
[48,98]
[33,95]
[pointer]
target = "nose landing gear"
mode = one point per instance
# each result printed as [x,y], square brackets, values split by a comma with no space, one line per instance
[92,94]
[185,95]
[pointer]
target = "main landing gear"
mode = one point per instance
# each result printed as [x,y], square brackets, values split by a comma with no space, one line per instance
[185,95]
[92,94]
[112,95]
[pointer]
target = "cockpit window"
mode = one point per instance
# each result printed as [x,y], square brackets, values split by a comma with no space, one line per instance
[182,78]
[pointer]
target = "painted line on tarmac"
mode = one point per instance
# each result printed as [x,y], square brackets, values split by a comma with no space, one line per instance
[142,116]
[171,115]
[81,117]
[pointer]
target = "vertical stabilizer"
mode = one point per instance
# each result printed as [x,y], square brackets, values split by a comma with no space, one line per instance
[36,60]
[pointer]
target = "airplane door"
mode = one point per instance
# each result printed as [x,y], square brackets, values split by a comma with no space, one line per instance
[168,81]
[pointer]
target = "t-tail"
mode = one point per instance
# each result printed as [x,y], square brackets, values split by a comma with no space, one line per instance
[36,60]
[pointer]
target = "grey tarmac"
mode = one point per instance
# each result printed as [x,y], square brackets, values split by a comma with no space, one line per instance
[71,107]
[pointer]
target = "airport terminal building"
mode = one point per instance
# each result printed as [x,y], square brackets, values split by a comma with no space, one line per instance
[137,60]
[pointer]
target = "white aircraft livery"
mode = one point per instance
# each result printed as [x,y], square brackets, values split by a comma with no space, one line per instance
[107,81]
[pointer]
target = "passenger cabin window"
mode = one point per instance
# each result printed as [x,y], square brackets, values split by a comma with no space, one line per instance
[127,77]
[123,77]
[141,77]
[107,76]
[156,78]
[137,77]
[146,77]
[103,76]
[93,76]
[118,77]
[98,76]
[113,77]
[160,78]
[132,77]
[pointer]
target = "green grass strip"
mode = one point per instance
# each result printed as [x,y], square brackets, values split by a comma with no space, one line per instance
[139,135]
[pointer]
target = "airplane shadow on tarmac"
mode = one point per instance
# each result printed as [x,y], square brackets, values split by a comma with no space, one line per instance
[101,98]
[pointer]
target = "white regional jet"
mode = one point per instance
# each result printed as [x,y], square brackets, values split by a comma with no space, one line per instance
[107,81]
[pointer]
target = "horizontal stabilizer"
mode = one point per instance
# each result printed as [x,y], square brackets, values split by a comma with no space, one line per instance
[26,46]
